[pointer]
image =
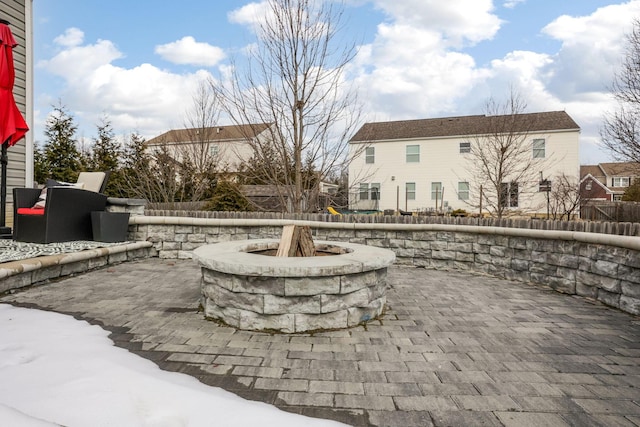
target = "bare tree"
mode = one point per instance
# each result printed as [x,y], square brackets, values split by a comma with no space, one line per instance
[621,129]
[199,157]
[501,160]
[564,197]
[295,82]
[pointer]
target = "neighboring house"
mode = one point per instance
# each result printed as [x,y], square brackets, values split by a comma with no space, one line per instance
[414,164]
[20,156]
[607,181]
[228,145]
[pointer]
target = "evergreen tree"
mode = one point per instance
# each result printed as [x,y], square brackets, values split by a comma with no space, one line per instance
[136,169]
[106,155]
[227,197]
[61,155]
[40,167]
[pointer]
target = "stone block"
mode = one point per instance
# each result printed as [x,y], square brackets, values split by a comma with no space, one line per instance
[46,273]
[465,257]
[100,261]
[609,298]
[442,255]
[605,268]
[630,304]
[170,246]
[404,261]
[518,243]
[358,315]
[274,304]
[483,258]
[439,246]
[74,267]
[520,265]
[167,254]
[418,244]
[460,247]
[481,249]
[629,289]
[462,265]
[586,290]
[465,238]
[565,286]
[378,290]
[257,322]
[404,252]
[229,315]
[359,298]
[225,298]
[566,273]
[299,286]
[185,255]
[15,282]
[501,252]
[441,264]
[396,243]
[311,322]
[217,279]
[563,260]
[630,274]
[117,257]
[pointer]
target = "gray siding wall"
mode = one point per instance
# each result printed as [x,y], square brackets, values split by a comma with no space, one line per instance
[16,12]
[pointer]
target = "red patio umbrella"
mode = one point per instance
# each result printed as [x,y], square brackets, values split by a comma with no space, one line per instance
[12,125]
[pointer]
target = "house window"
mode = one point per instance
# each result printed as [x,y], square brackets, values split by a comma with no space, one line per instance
[617,197]
[410,190]
[465,147]
[370,191]
[589,185]
[621,182]
[463,191]
[413,153]
[370,155]
[436,191]
[364,191]
[538,148]
[213,150]
[375,191]
[508,197]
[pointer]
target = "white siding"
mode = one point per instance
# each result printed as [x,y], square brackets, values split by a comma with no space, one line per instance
[20,156]
[441,161]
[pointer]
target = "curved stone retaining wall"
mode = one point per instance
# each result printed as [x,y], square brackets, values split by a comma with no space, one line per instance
[599,266]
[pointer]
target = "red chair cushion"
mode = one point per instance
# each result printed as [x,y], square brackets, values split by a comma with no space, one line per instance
[30,211]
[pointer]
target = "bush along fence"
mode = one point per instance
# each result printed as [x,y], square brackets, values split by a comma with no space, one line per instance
[617,228]
[603,267]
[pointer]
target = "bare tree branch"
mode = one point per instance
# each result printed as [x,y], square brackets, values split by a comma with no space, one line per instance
[295,81]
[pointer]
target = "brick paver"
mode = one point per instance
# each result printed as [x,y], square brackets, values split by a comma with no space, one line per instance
[453,348]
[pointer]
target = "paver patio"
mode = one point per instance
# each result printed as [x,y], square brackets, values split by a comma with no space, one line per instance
[453,348]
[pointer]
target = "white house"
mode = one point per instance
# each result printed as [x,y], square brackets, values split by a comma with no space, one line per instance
[229,146]
[423,165]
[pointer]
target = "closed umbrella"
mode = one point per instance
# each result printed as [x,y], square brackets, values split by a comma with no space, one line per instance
[12,125]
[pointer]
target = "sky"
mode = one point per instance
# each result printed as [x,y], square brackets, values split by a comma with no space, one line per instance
[57,370]
[139,63]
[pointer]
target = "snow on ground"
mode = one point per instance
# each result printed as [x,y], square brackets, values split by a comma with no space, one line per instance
[56,370]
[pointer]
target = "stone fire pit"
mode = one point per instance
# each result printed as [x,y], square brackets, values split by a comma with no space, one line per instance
[342,286]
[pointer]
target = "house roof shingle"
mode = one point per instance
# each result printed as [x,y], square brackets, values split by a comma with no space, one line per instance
[217,133]
[462,126]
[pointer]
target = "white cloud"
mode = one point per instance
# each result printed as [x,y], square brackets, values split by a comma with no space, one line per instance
[143,98]
[510,4]
[458,21]
[71,37]
[188,51]
[250,14]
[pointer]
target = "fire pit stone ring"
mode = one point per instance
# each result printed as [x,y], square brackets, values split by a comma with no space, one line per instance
[245,288]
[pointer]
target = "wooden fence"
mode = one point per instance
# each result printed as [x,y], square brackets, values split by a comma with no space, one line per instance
[605,227]
[611,211]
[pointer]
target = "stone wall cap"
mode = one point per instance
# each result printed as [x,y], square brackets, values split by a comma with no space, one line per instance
[233,258]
